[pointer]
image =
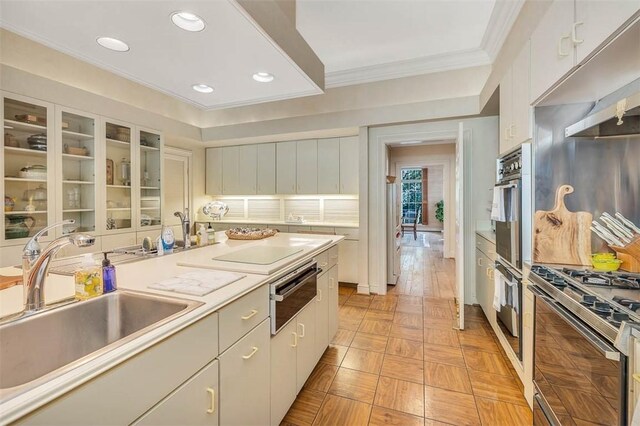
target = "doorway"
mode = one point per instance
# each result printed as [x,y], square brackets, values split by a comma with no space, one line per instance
[177,184]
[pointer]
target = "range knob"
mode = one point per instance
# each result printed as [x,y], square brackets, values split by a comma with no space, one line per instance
[588,299]
[559,282]
[619,316]
[602,307]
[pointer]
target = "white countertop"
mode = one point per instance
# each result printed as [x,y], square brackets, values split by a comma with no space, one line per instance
[277,222]
[137,276]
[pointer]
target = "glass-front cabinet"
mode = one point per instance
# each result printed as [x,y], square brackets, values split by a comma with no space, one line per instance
[119,155]
[26,167]
[76,179]
[150,172]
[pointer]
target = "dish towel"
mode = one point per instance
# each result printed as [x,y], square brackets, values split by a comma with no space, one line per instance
[498,291]
[497,207]
[197,283]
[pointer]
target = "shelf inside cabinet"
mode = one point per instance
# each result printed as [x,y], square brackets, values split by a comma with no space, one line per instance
[14,212]
[76,210]
[150,188]
[24,151]
[78,182]
[24,127]
[17,179]
[117,142]
[68,134]
[148,148]
[77,157]
[119,186]
[118,209]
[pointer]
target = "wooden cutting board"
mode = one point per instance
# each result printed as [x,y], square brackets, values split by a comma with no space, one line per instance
[8,282]
[561,236]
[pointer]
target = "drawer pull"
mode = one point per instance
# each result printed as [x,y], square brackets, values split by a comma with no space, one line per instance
[322,265]
[212,394]
[295,340]
[479,261]
[303,333]
[319,299]
[253,312]
[253,352]
[331,283]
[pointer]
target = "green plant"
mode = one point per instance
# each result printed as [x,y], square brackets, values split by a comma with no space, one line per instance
[440,211]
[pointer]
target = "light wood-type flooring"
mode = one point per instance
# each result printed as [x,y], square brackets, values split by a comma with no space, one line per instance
[397,360]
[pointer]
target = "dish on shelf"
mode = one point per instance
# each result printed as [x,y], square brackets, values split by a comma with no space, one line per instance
[9,203]
[16,226]
[40,138]
[145,220]
[74,150]
[37,171]
[37,194]
[10,141]
[37,147]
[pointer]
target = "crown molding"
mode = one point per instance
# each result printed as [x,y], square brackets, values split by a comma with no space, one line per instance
[408,68]
[502,18]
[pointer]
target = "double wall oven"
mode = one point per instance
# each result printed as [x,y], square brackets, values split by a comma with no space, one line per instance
[582,371]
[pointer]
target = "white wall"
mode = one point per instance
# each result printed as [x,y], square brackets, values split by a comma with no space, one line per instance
[479,176]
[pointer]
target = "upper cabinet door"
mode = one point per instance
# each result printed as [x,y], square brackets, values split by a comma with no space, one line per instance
[213,184]
[247,164]
[266,169]
[230,172]
[349,165]
[597,20]
[552,53]
[329,166]
[522,113]
[307,166]
[286,167]
[506,110]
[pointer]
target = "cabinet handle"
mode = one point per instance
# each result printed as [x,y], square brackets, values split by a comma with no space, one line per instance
[479,261]
[323,264]
[331,282]
[512,133]
[636,377]
[253,352]
[295,340]
[574,37]
[303,333]
[319,299]
[488,272]
[560,52]
[212,394]
[253,312]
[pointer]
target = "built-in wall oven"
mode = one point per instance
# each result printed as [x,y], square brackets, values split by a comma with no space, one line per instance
[289,294]
[580,377]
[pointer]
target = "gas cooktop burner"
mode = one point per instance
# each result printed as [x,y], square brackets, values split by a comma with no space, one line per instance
[607,279]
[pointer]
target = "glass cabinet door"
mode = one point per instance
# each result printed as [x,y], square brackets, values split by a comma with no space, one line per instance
[27,164]
[118,199]
[150,160]
[77,194]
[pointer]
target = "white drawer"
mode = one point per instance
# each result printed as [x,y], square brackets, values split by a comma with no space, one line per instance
[349,233]
[238,318]
[487,247]
[332,254]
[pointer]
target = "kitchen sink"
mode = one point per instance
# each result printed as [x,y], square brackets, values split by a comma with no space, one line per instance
[39,347]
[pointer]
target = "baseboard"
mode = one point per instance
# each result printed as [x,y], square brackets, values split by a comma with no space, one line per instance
[363,289]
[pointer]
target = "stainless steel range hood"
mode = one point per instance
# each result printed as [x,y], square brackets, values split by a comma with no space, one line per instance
[615,116]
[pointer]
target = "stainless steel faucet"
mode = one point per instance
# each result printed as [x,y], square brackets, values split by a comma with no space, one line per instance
[186,227]
[38,264]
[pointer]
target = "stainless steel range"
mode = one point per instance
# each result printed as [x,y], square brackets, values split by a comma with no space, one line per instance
[580,374]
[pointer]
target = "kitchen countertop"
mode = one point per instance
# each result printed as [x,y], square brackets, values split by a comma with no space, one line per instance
[136,276]
[277,222]
[488,235]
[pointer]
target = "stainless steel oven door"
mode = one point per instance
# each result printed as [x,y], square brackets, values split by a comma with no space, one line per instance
[579,374]
[290,296]
[509,318]
[508,232]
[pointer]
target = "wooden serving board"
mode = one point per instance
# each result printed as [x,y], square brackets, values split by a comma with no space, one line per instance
[561,236]
[8,282]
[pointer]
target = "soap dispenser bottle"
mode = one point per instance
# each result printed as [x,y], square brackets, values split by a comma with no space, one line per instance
[88,279]
[168,239]
[109,283]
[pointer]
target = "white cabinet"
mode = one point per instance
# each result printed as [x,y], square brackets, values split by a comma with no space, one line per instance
[329,166]
[516,113]
[247,169]
[552,54]
[245,379]
[348,255]
[283,378]
[194,403]
[307,167]
[305,356]
[349,165]
[596,21]
[322,315]
[266,169]
[213,185]
[286,167]
[333,301]
[230,171]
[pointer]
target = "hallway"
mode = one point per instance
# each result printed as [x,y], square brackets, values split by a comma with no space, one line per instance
[397,360]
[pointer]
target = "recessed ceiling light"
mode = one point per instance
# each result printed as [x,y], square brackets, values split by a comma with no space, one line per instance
[263,77]
[188,21]
[202,88]
[113,44]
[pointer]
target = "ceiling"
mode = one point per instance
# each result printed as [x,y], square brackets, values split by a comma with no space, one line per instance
[224,55]
[370,40]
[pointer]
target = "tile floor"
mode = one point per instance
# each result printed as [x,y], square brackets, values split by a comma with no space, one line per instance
[396,359]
